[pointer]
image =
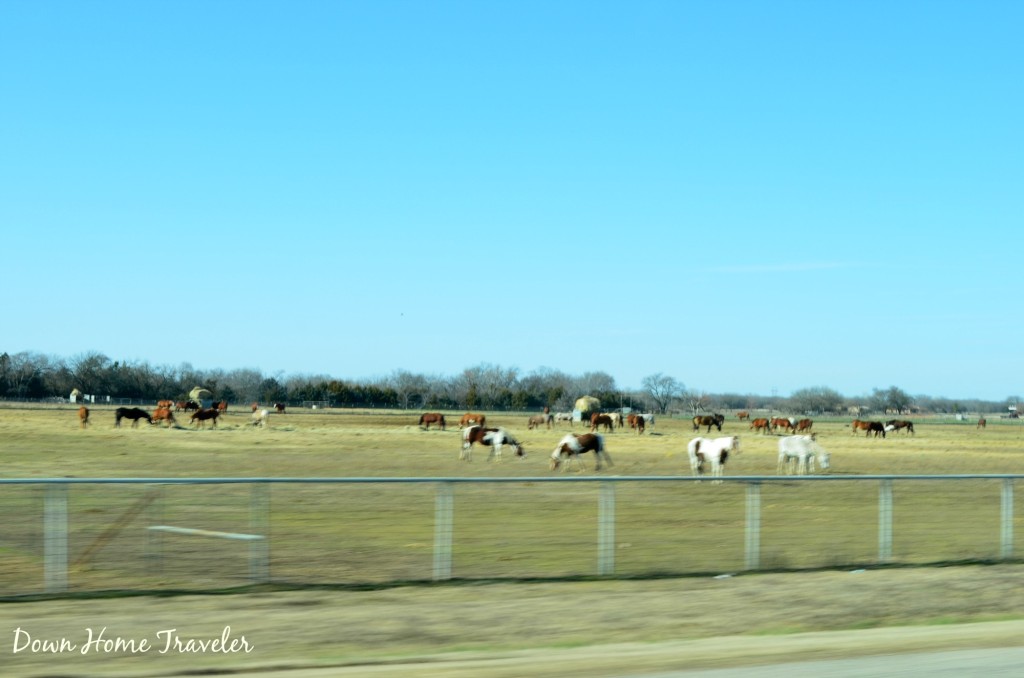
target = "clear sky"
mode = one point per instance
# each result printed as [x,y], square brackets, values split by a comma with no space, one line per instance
[748,196]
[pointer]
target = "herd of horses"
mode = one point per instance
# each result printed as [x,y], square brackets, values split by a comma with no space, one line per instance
[165,409]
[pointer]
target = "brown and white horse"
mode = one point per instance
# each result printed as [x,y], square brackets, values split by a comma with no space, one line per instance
[571,446]
[714,451]
[429,418]
[496,438]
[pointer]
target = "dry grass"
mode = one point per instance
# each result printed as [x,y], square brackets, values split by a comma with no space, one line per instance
[336,627]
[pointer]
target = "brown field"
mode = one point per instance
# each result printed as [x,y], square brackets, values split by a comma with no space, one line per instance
[494,621]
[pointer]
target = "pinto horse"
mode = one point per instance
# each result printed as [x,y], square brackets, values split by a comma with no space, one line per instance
[494,437]
[900,424]
[571,446]
[202,415]
[279,408]
[432,418]
[714,451]
[133,413]
[708,420]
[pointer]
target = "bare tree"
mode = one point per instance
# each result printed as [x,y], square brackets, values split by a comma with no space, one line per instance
[662,390]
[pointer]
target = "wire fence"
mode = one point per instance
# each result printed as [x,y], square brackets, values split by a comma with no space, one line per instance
[152,534]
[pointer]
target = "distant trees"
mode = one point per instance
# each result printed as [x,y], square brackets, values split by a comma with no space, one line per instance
[817,399]
[662,390]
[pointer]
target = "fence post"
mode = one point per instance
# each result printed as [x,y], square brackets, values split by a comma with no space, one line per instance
[606,530]
[1006,522]
[55,538]
[753,526]
[259,523]
[885,521]
[443,518]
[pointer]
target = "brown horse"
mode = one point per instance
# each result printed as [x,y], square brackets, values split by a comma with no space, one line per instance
[470,418]
[598,420]
[982,423]
[164,414]
[761,424]
[709,420]
[133,413]
[868,427]
[804,425]
[83,416]
[279,408]
[165,403]
[743,415]
[203,415]
[432,418]
[900,424]
[222,406]
[783,422]
[540,420]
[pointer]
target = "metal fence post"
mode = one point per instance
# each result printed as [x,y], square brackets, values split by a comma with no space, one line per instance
[606,530]
[753,526]
[443,520]
[55,538]
[1006,521]
[259,523]
[885,521]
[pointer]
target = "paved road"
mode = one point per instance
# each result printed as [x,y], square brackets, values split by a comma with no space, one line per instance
[991,663]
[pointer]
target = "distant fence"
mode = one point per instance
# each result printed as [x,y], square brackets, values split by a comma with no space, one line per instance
[89,534]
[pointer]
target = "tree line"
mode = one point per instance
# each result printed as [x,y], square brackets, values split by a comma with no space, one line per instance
[34,376]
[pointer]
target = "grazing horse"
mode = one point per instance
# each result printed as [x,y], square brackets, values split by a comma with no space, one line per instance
[181,405]
[868,427]
[279,408]
[190,406]
[616,418]
[571,446]
[639,423]
[83,416]
[803,450]
[761,424]
[164,414]
[470,418]
[982,423]
[202,415]
[804,425]
[255,406]
[432,418]
[564,416]
[900,424]
[709,420]
[133,413]
[743,415]
[222,406]
[598,420]
[783,422]
[713,450]
[260,418]
[540,420]
[495,437]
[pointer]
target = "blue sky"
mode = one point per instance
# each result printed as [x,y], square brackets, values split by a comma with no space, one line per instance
[747,196]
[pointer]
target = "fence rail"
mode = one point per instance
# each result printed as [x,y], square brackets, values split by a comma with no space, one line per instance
[204,533]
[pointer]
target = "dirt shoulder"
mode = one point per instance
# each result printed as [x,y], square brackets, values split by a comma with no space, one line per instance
[513,629]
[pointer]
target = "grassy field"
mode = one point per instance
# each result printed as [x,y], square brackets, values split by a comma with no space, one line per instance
[808,525]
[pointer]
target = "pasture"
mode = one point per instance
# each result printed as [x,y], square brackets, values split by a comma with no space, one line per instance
[703,522]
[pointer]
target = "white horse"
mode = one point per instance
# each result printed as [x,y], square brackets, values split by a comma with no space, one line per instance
[803,450]
[713,450]
[495,437]
[572,446]
[260,417]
